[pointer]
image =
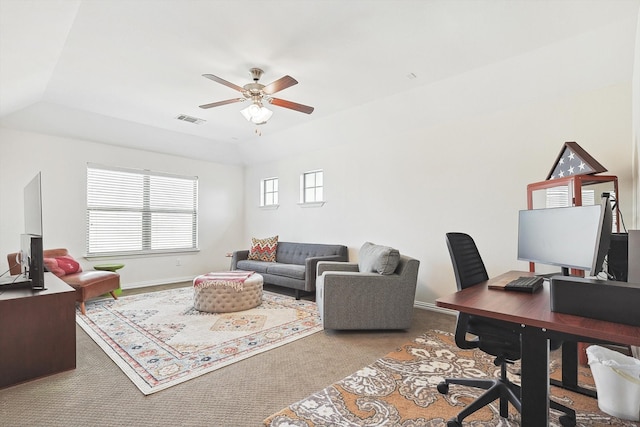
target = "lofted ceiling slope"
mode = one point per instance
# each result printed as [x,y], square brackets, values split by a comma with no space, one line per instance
[119,72]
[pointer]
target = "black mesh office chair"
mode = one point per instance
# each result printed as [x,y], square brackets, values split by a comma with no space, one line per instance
[500,339]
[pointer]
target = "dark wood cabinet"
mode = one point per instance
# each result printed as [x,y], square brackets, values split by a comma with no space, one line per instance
[37,331]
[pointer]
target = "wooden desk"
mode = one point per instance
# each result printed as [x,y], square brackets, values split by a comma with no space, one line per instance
[37,331]
[539,324]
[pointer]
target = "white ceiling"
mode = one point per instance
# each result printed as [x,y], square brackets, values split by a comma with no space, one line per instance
[120,71]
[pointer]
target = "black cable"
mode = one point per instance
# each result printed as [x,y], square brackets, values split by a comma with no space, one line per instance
[615,207]
[14,279]
[605,270]
[10,267]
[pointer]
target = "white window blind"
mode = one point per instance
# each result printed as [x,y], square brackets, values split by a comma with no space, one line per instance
[558,197]
[133,211]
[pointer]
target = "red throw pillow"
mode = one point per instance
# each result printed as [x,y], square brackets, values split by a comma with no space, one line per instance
[68,264]
[52,266]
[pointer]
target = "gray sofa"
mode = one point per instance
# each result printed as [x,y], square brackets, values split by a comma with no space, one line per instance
[376,293]
[295,265]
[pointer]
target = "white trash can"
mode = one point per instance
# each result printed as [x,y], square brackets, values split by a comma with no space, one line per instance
[617,379]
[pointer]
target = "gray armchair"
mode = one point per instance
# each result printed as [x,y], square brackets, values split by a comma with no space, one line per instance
[376,293]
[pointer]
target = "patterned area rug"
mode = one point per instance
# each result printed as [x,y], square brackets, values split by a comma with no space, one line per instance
[400,390]
[159,340]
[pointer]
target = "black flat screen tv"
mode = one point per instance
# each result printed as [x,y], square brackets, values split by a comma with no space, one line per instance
[31,249]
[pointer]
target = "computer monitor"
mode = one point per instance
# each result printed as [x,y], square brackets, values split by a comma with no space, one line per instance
[604,243]
[572,237]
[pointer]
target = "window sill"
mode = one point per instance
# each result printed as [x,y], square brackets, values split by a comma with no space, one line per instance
[269,207]
[312,204]
[130,255]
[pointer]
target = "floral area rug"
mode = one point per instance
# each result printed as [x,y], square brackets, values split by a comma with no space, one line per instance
[400,390]
[159,340]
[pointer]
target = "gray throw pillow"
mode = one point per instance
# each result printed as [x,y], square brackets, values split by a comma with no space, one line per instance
[378,259]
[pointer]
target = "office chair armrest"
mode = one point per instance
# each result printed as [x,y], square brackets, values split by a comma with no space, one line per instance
[461,338]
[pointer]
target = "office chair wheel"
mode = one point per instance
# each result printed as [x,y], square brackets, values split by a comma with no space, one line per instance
[443,388]
[454,423]
[567,421]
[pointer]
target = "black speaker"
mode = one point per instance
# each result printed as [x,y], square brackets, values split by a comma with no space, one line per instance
[597,299]
[618,257]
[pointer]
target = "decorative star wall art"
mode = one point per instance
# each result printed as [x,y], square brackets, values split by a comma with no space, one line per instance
[573,160]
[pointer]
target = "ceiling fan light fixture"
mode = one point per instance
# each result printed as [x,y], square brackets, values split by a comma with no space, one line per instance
[258,93]
[256,113]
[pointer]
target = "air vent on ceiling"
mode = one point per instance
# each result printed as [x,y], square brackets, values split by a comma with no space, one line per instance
[190,119]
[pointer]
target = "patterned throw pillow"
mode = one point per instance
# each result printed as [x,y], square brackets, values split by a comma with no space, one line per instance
[263,249]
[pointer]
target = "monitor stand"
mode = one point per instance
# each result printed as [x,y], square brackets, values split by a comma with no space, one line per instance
[549,275]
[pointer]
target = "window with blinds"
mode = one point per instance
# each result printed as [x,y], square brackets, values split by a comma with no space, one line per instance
[131,212]
[559,197]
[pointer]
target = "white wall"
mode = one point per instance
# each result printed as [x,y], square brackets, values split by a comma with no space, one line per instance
[394,178]
[63,165]
[635,152]
[399,171]
[455,155]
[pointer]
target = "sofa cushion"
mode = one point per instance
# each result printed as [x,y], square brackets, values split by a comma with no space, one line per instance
[89,284]
[294,271]
[250,265]
[263,249]
[297,253]
[378,259]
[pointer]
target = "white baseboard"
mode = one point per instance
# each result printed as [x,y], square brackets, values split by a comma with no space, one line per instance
[433,307]
[145,284]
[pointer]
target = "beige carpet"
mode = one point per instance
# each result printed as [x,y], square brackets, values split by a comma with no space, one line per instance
[400,390]
[160,340]
[243,394]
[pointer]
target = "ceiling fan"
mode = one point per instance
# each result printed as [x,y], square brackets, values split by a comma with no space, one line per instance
[257,93]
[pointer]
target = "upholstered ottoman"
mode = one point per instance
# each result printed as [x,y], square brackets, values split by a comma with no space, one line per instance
[216,293]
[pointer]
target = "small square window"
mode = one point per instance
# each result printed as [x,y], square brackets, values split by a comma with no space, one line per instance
[269,192]
[311,187]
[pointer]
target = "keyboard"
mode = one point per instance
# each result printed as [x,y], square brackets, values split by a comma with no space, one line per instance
[525,284]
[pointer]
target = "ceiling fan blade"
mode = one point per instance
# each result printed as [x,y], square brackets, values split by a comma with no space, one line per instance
[291,105]
[280,84]
[223,82]
[219,103]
